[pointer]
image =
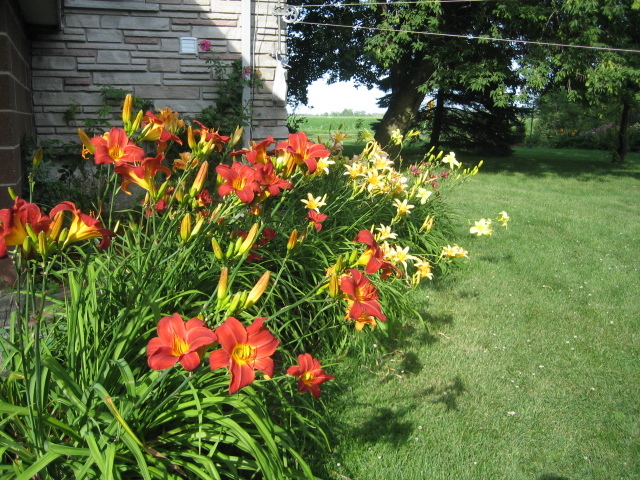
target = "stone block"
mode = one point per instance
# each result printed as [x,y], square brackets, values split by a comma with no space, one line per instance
[216,32]
[77,81]
[78,20]
[141,40]
[114,57]
[47,83]
[111,68]
[105,35]
[53,63]
[127,78]
[147,23]
[209,22]
[163,65]
[63,98]
[167,92]
[64,52]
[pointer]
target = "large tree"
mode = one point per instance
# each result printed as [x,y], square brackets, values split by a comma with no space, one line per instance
[414,49]
[393,49]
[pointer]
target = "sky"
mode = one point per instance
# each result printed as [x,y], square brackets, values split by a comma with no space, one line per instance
[336,97]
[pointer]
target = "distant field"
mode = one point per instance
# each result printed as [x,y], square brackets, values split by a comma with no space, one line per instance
[319,125]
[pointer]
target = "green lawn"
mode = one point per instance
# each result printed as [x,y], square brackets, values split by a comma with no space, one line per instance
[528,365]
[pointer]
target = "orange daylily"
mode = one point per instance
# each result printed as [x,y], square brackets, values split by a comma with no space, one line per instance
[212,135]
[298,150]
[14,221]
[143,174]
[83,226]
[179,342]
[258,151]
[310,375]
[244,350]
[115,147]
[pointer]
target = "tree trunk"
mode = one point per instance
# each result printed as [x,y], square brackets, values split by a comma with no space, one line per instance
[438,118]
[405,78]
[623,139]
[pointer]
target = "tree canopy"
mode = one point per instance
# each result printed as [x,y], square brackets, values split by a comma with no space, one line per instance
[414,49]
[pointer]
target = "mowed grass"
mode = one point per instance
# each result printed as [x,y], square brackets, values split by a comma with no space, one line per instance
[528,365]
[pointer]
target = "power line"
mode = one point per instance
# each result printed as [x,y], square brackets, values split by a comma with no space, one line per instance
[475,37]
[406,2]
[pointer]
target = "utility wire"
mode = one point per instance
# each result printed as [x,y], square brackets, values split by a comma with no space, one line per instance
[475,37]
[406,2]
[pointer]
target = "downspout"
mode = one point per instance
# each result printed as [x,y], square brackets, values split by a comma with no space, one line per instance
[246,21]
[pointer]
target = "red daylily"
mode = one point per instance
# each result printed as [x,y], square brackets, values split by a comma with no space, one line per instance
[316,219]
[115,147]
[268,234]
[83,226]
[373,257]
[143,174]
[258,151]
[300,150]
[310,374]
[270,180]
[244,350]
[179,341]
[240,179]
[14,221]
[362,295]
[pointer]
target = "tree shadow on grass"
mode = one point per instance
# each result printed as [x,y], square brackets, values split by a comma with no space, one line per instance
[551,476]
[585,165]
[386,425]
[448,395]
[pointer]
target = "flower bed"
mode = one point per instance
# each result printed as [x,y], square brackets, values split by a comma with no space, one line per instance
[195,325]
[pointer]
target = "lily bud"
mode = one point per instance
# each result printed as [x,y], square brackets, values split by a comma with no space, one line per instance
[293,239]
[236,137]
[126,109]
[258,289]
[136,123]
[197,228]
[217,250]
[201,177]
[12,194]
[334,286]
[37,158]
[42,244]
[86,142]
[222,283]
[31,232]
[250,240]
[190,139]
[235,301]
[427,225]
[185,228]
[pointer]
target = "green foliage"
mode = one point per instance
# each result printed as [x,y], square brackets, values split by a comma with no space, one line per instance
[80,400]
[228,112]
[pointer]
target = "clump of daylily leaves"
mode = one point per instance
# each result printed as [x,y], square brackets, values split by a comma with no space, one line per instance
[163,356]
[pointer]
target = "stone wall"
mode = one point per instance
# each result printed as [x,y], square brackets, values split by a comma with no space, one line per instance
[134,45]
[15,97]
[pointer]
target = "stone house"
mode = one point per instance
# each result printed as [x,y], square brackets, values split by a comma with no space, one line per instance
[57,53]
